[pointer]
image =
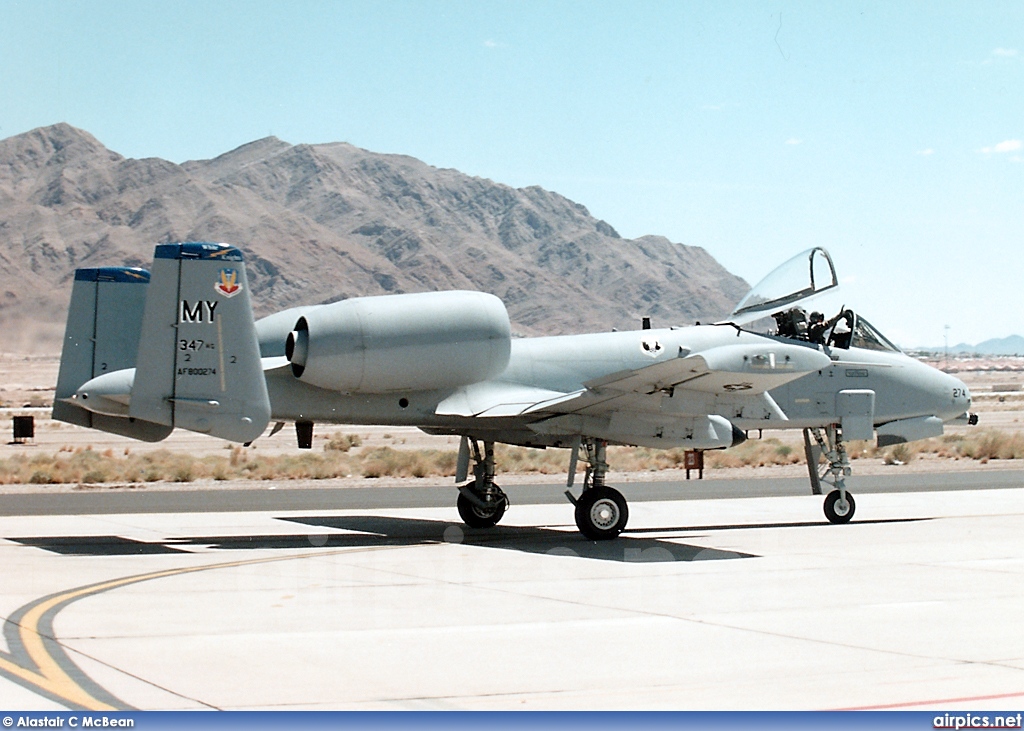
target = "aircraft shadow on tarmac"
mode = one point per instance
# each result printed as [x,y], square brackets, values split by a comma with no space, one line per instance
[378,530]
[375,531]
[95,545]
[749,526]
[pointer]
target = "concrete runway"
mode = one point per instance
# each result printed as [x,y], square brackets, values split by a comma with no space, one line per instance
[378,598]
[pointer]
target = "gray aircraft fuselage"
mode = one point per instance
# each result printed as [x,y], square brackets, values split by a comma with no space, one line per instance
[905,388]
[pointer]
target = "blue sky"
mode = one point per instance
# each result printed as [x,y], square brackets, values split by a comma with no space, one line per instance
[888,132]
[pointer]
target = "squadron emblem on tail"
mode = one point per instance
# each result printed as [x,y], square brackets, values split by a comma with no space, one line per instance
[227,284]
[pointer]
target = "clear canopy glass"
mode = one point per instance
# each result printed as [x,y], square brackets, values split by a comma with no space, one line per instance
[803,278]
[866,336]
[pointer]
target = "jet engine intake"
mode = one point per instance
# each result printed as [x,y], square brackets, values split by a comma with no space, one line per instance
[403,342]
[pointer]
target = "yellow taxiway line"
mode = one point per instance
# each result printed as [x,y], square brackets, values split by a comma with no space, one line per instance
[48,675]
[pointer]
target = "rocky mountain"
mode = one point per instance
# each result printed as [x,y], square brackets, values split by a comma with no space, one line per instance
[319,223]
[1012,345]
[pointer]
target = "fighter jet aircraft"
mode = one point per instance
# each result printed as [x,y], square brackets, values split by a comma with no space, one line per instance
[145,353]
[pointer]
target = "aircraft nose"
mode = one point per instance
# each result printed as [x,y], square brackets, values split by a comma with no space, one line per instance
[961,398]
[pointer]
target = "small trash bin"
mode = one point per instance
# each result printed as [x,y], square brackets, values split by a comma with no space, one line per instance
[304,431]
[24,428]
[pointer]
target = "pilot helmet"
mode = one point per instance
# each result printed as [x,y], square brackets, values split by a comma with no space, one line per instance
[817,317]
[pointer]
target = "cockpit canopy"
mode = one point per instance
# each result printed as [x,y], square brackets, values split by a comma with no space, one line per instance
[802,279]
[866,336]
[784,295]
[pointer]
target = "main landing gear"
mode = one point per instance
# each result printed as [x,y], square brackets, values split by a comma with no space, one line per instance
[601,511]
[839,503]
[481,503]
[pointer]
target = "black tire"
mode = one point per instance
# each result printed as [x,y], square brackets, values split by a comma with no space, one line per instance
[601,513]
[476,517]
[835,515]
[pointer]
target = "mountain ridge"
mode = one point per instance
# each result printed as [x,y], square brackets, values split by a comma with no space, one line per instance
[328,221]
[1010,345]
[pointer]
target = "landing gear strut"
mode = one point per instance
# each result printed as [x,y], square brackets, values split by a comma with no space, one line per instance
[481,503]
[839,504]
[601,511]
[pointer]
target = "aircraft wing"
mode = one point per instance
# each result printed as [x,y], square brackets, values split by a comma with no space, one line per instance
[752,369]
[495,399]
[729,369]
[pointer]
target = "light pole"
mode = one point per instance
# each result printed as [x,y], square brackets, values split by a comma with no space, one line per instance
[945,339]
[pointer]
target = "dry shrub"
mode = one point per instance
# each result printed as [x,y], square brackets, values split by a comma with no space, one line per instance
[445,462]
[531,461]
[87,466]
[388,462]
[41,477]
[343,442]
[306,466]
[899,454]
[949,446]
[993,444]
[860,449]
[754,453]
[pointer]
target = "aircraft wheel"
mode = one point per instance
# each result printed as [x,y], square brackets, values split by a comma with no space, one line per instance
[476,517]
[838,511]
[601,513]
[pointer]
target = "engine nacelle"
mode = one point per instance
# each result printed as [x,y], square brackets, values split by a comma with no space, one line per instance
[402,342]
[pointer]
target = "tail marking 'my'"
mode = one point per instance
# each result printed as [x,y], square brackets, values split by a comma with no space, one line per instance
[198,364]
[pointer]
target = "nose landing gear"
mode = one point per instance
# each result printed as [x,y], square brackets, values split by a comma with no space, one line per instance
[839,509]
[839,504]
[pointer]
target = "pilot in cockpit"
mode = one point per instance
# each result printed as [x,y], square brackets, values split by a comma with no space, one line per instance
[807,275]
[819,327]
[842,333]
[792,323]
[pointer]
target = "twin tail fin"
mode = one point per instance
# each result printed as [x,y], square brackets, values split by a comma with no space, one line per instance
[176,347]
